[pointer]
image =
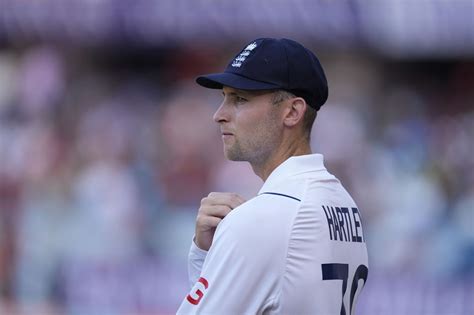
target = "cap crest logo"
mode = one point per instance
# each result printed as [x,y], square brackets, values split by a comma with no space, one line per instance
[237,63]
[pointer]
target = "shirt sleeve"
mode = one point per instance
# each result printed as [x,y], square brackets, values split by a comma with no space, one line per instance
[195,261]
[241,272]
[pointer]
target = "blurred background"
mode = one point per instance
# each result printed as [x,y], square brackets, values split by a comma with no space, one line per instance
[107,146]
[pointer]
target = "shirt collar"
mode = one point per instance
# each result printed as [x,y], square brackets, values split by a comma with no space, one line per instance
[293,166]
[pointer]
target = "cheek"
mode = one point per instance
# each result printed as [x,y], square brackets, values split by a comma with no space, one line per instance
[248,124]
[250,119]
[258,128]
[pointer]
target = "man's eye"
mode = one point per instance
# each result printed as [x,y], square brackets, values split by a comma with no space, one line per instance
[239,99]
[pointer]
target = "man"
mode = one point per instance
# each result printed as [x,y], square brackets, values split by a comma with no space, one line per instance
[298,246]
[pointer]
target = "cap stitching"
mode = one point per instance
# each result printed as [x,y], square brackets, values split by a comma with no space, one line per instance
[287,68]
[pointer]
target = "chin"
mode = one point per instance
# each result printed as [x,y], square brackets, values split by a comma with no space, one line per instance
[233,157]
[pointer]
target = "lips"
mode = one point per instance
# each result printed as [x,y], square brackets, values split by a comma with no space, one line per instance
[227,135]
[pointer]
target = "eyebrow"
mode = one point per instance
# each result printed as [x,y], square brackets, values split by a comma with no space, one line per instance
[245,93]
[233,93]
[236,94]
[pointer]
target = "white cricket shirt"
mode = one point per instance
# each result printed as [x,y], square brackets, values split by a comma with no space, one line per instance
[296,248]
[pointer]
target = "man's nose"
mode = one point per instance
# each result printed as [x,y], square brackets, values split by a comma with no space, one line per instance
[221,114]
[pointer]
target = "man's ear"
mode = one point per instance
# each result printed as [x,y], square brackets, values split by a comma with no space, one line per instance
[294,111]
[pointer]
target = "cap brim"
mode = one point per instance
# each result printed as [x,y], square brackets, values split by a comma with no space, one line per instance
[219,80]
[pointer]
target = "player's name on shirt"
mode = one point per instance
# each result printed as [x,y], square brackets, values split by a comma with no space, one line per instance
[344,224]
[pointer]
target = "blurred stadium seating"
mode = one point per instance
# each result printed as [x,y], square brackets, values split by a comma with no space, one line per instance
[107,146]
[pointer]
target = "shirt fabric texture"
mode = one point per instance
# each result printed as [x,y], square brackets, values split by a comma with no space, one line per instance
[289,250]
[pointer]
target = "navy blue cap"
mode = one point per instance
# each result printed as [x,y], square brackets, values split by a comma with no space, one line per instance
[271,64]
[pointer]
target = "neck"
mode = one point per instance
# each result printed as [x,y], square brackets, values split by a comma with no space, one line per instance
[264,169]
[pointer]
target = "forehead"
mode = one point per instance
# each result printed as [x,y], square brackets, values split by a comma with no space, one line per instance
[248,93]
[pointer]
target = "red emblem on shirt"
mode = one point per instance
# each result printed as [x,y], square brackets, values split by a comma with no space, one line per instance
[198,291]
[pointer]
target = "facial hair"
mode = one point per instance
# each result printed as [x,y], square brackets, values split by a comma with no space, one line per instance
[256,146]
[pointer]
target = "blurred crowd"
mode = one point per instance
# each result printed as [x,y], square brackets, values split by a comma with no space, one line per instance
[104,158]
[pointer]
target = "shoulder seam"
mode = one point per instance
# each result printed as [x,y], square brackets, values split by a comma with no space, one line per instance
[278,194]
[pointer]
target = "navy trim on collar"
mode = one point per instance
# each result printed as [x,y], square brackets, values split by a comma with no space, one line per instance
[278,194]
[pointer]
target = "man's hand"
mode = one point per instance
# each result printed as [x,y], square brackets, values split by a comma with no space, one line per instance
[213,209]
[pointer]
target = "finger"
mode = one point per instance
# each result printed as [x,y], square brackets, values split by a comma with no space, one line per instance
[207,222]
[215,210]
[232,200]
[240,199]
[235,202]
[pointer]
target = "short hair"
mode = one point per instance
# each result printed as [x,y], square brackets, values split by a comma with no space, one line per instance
[309,116]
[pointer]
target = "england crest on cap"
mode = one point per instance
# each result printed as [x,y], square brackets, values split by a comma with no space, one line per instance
[237,63]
